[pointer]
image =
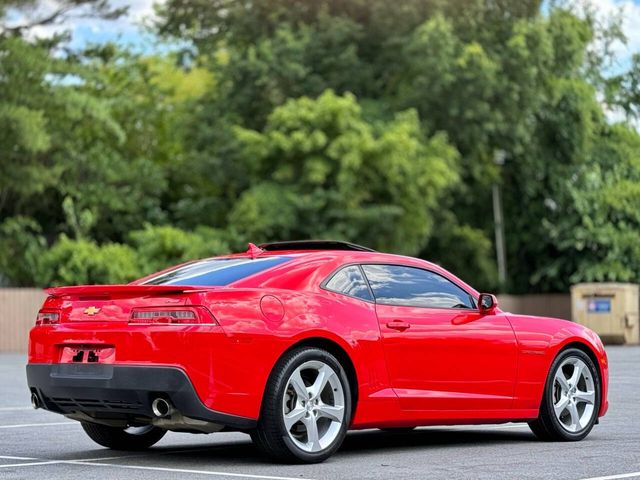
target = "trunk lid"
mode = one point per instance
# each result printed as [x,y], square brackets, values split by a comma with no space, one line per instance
[112,303]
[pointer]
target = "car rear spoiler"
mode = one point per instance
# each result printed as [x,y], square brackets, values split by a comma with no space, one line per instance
[121,289]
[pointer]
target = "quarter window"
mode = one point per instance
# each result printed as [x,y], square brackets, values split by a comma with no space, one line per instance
[350,281]
[414,287]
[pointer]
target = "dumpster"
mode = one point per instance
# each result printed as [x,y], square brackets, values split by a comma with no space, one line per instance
[609,309]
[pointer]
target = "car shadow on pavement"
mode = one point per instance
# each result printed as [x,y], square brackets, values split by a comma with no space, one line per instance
[244,452]
[421,438]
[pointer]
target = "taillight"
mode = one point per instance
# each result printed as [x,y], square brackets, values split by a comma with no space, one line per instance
[172,316]
[47,318]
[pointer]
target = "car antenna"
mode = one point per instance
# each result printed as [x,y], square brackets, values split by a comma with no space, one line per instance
[254,250]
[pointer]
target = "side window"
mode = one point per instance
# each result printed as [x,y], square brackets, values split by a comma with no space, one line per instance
[414,287]
[350,281]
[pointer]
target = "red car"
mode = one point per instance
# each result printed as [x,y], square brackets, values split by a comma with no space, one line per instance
[297,342]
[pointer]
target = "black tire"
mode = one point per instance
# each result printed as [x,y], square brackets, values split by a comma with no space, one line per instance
[271,436]
[547,426]
[119,439]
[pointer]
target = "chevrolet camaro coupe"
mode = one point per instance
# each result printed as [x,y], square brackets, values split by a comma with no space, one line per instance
[295,343]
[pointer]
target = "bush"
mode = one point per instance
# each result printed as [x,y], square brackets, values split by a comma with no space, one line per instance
[26,261]
[84,262]
[158,247]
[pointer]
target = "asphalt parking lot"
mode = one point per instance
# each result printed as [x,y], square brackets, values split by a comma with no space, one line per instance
[38,444]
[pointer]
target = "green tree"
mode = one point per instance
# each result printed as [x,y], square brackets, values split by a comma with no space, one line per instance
[596,233]
[54,14]
[452,69]
[322,170]
[241,138]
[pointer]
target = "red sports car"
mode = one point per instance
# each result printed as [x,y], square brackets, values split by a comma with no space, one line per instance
[297,342]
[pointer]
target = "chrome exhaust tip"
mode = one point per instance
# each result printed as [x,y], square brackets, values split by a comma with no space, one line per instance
[161,408]
[35,401]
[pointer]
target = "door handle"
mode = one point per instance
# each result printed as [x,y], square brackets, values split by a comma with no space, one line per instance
[398,325]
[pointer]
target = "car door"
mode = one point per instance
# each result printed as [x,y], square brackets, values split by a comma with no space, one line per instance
[442,353]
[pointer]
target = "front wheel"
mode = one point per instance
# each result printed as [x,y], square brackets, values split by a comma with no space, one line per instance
[571,398]
[306,408]
[132,438]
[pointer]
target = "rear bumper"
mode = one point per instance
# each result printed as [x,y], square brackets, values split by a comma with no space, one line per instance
[121,392]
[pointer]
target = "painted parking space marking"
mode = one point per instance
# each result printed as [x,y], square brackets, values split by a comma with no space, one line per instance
[616,477]
[14,409]
[28,425]
[96,459]
[29,464]
[150,453]
[86,463]
[183,470]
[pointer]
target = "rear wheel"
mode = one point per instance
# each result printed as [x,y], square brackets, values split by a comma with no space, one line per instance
[571,398]
[132,438]
[306,408]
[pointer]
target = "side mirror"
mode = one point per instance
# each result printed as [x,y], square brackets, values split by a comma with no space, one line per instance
[487,303]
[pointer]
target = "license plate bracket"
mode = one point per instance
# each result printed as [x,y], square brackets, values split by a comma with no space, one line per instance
[87,354]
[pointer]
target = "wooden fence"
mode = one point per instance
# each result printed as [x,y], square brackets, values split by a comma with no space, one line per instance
[19,306]
[18,310]
[557,305]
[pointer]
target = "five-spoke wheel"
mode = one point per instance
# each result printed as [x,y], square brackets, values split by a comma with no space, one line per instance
[574,394]
[306,408]
[313,406]
[571,399]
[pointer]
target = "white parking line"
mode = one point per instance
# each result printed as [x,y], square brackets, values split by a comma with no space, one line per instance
[182,470]
[150,453]
[616,477]
[95,459]
[140,467]
[13,409]
[30,464]
[27,425]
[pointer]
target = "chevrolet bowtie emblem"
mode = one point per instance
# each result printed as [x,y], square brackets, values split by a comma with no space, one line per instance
[91,310]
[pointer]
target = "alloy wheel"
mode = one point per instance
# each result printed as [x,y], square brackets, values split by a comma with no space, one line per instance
[313,406]
[574,394]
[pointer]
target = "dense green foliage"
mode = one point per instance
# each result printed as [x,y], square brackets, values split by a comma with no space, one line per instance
[369,121]
[321,170]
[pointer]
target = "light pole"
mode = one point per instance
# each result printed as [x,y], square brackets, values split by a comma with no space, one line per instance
[499,157]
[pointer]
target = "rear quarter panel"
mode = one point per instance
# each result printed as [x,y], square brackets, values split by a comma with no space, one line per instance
[257,338]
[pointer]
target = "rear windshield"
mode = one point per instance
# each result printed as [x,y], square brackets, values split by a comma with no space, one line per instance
[216,272]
